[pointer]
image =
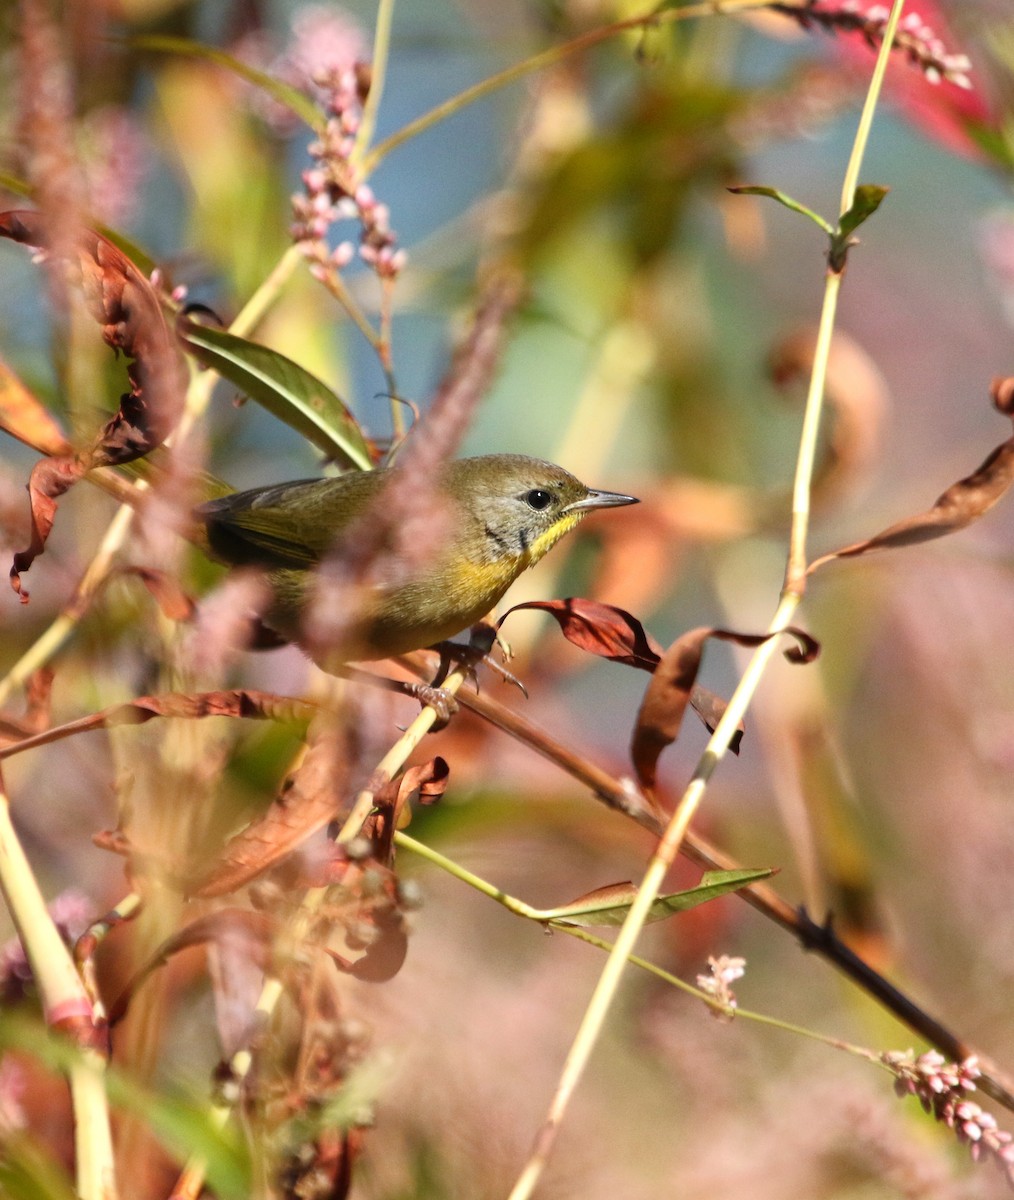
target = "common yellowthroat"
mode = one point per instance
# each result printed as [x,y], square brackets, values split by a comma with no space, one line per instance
[503,512]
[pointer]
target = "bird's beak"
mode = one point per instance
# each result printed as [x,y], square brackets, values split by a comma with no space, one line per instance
[596,499]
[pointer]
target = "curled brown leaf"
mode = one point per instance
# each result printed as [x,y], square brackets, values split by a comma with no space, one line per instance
[963,502]
[429,779]
[668,694]
[50,478]
[128,309]
[615,634]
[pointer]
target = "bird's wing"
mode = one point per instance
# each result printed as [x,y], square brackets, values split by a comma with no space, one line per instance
[288,525]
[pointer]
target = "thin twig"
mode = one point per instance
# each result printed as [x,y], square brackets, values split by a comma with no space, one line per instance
[549,58]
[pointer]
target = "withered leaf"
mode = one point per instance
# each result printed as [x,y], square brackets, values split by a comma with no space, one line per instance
[614,633]
[601,629]
[962,503]
[309,798]
[429,779]
[227,924]
[386,953]
[127,307]
[668,694]
[50,478]
[238,702]
[709,707]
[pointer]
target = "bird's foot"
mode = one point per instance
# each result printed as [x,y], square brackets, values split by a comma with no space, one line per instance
[476,653]
[432,696]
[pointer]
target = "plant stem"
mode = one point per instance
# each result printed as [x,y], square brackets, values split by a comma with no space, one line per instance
[378,69]
[66,1005]
[544,59]
[668,847]
[521,909]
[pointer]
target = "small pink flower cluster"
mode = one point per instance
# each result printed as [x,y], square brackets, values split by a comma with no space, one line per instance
[332,192]
[914,38]
[942,1088]
[725,970]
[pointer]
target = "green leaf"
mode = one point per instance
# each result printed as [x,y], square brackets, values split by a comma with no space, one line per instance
[787,201]
[187,1127]
[28,1172]
[287,390]
[610,905]
[183,1125]
[867,200]
[291,97]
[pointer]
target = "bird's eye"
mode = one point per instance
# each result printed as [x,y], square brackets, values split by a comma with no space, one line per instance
[538,499]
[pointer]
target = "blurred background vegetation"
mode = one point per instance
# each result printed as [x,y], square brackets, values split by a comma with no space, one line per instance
[640,358]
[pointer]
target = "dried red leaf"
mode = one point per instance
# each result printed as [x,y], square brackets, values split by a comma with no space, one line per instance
[50,478]
[710,707]
[386,954]
[668,694]
[600,629]
[429,779]
[432,780]
[963,502]
[127,307]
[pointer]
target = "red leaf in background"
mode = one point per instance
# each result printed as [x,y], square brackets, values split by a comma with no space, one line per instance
[600,629]
[127,307]
[929,83]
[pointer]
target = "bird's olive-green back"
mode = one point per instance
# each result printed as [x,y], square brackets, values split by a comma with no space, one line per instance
[295,524]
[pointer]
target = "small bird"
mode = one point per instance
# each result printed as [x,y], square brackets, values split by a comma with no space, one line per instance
[503,513]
